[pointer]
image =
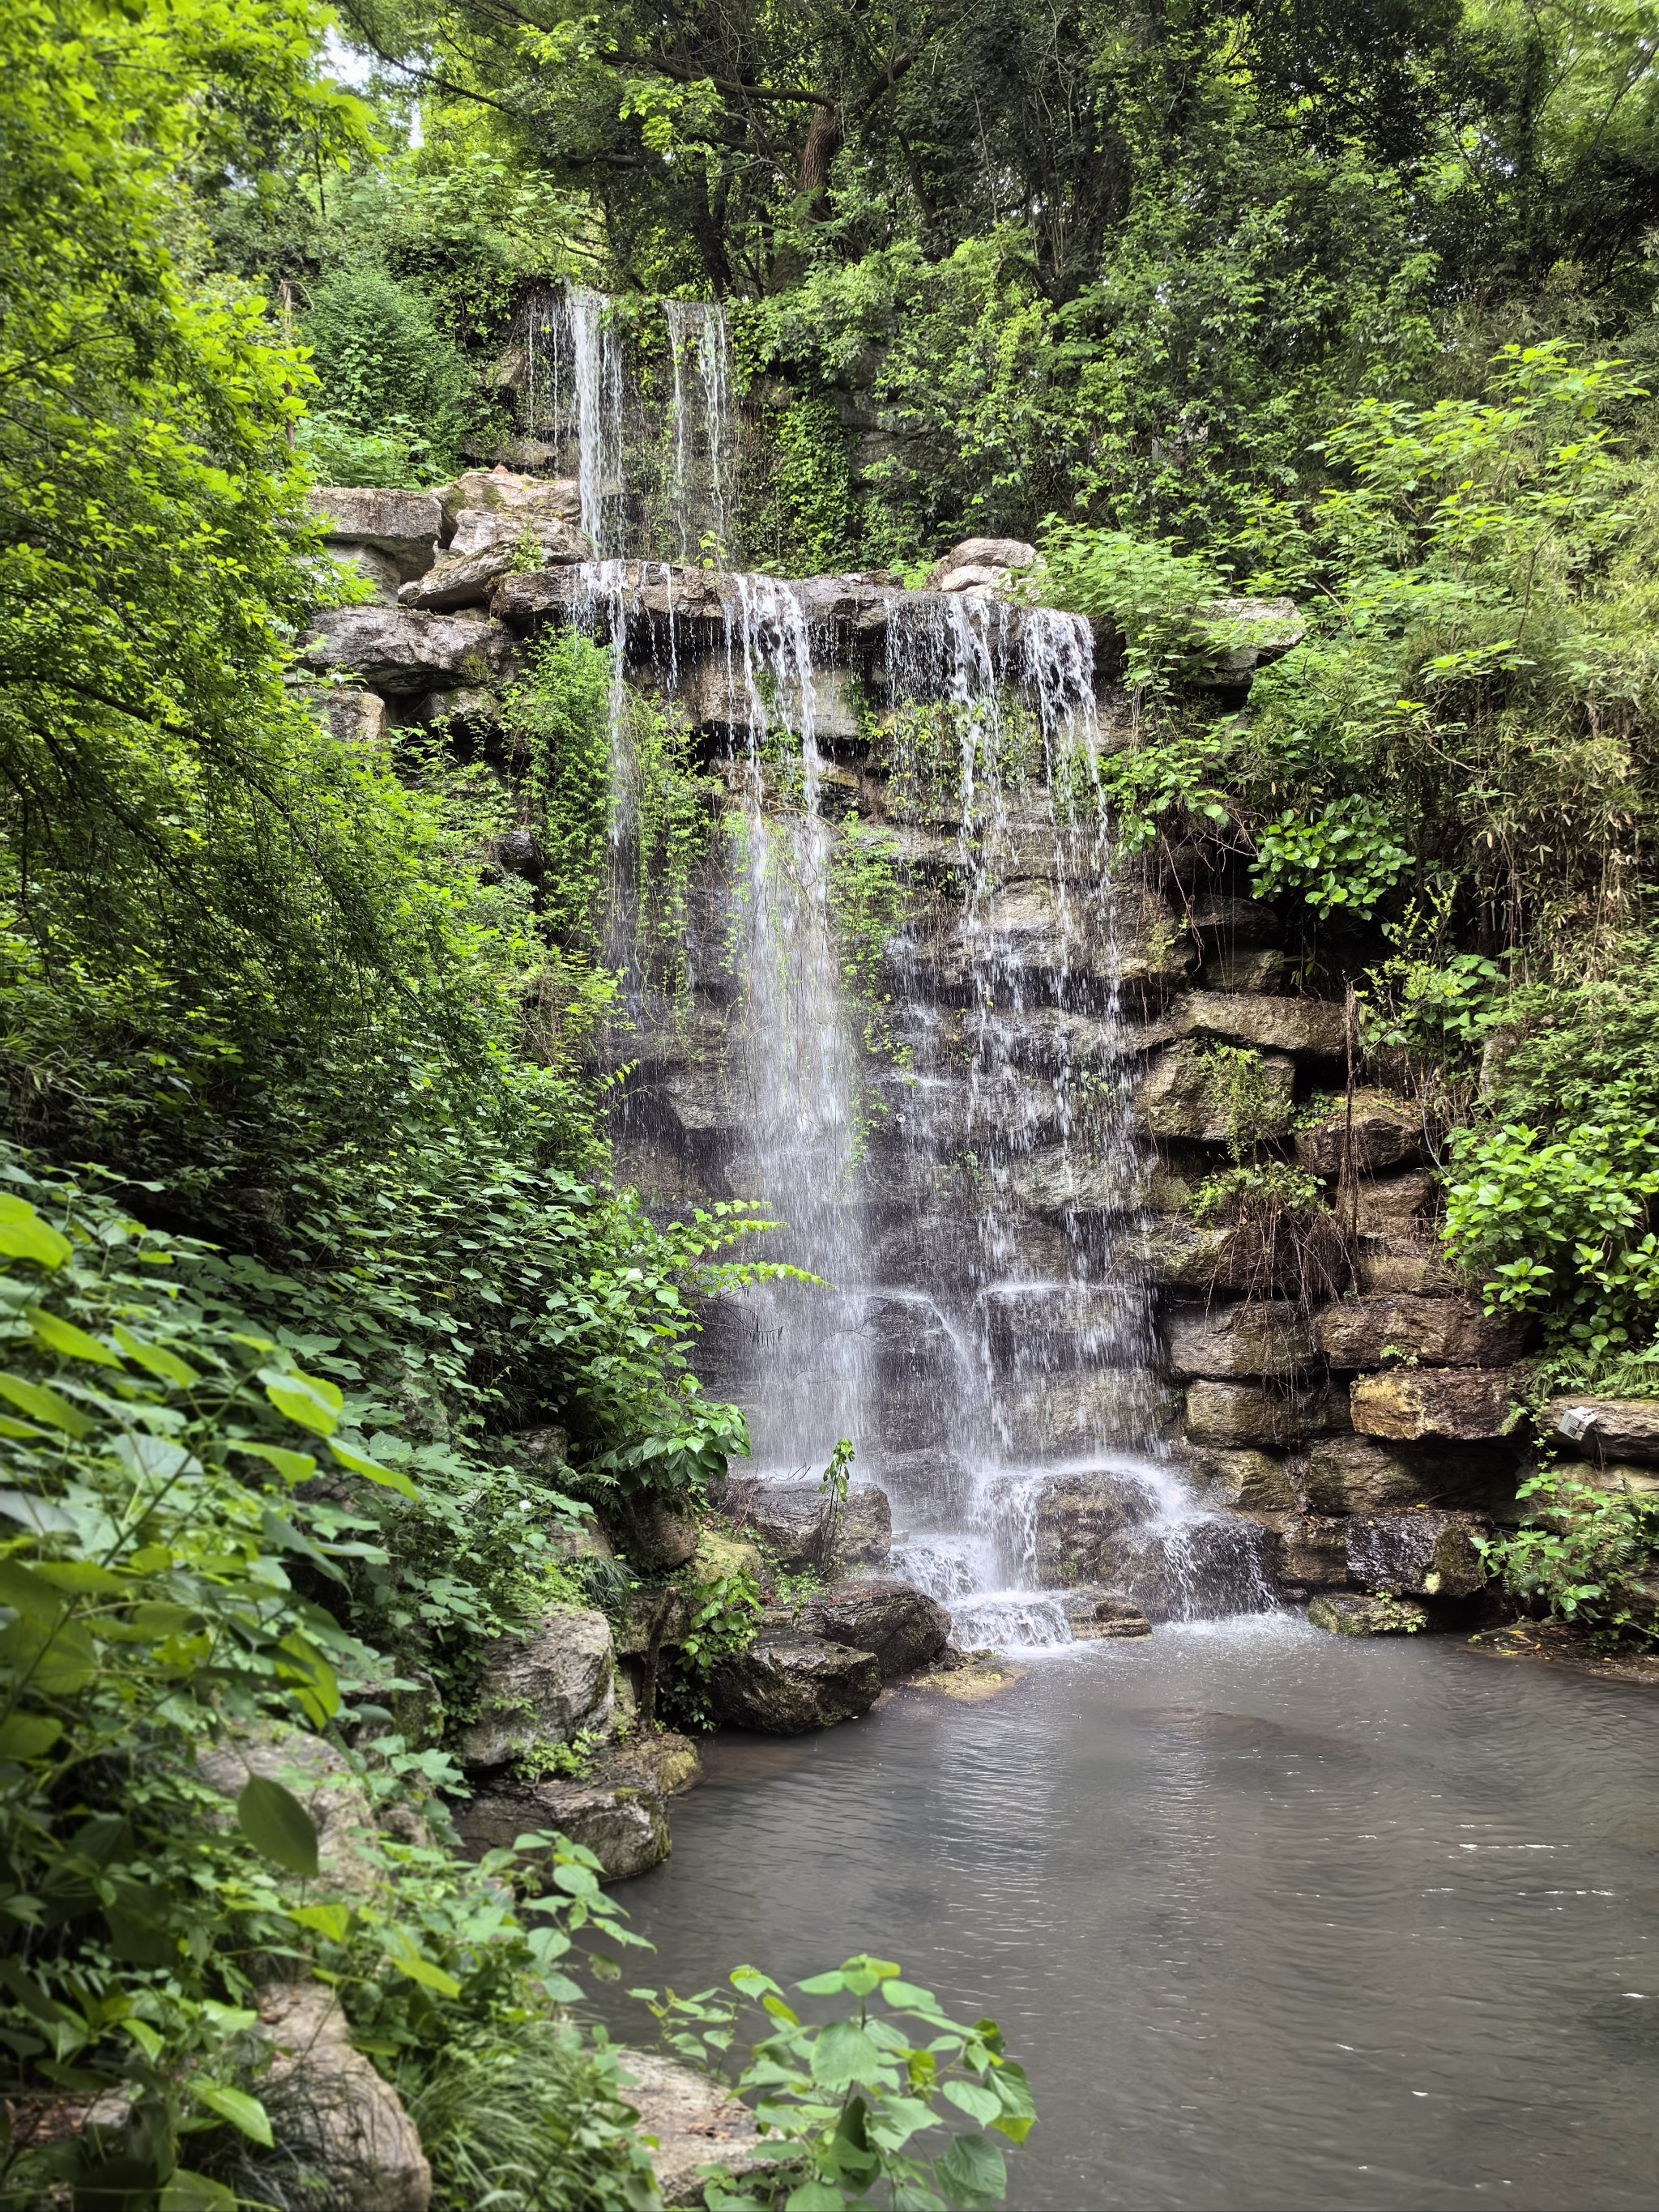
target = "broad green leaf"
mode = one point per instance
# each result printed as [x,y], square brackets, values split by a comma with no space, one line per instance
[814,2196]
[277,1826]
[194,2192]
[372,1471]
[21,1430]
[831,1985]
[970,2097]
[910,1996]
[844,2054]
[308,1399]
[29,1735]
[62,1336]
[37,1513]
[29,1592]
[235,2105]
[24,1235]
[153,1359]
[408,1961]
[82,1578]
[292,1466]
[43,1405]
[318,1690]
[57,1659]
[973,2169]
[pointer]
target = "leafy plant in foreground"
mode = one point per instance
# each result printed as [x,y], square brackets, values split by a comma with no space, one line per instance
[849,2101]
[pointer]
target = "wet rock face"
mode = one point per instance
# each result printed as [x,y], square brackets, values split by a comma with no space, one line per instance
[1341,1614]
[1313,1026]
[1314,1549]
[1447,1332]
[789,1518]
[1255,1481]
[1078,1522]
[1096,1615]
[1257,1337]
[1358,1474]
[787,1685]
[1470,1403]
[1424,1554]
[542,1688]
[1182,1097]
[658,1534]
[321,1777]
[623,1824]
[897,1623]
[1386,1132]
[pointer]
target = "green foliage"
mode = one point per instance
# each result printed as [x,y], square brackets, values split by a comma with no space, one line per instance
[1261,1183]
[814,488]
[385,369]
[1582,1553]
[184,1505]
[852,2102]
[1155,597]
[561,717]
[1343,855]
[869,900]
[1236,1079]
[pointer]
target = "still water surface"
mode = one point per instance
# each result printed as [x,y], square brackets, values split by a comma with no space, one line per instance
[1274,1920]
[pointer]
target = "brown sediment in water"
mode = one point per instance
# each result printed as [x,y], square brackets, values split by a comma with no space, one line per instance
[1553,1643]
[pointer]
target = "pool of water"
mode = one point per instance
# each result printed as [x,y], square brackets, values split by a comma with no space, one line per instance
[1273,1920]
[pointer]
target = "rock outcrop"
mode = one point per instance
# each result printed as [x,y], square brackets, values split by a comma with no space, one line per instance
[786,1683]
[692,2125]
[902,1628]
[543,1688]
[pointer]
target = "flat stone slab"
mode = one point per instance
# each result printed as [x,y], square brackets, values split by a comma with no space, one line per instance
[1607,1428]
[691,2123]
[1464,1403]
[970,1677]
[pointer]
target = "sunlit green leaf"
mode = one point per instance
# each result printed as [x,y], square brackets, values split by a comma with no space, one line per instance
[43,1405]
[24,1235]
[72,1343]
[243,2112]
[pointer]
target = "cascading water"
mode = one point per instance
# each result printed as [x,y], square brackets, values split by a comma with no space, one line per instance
[1046,1352]
[599,415]
[799,1067]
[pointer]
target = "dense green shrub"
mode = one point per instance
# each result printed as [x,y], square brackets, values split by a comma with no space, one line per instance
[386,370]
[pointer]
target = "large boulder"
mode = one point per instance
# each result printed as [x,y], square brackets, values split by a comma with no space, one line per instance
[1444,1332]
[479,493]
[1250,634]
[785,1685]
[488,546]
[902,1627]
[1464,1403]
[339,2118]
[659,1534]
[1305,1025]
[1606,1428]
[543,1688]
[1342,1612]
[1183,1096]
[322,1780]
[403,652]
[691,2123]
[792,1520]
[1241,1338]
[623,1823]
[1384,1132]
[402,527]
[1424,1554]
[1079,1522]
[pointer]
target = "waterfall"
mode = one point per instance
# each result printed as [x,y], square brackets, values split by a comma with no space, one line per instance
[798,1060]
[702,440]
[583,397]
